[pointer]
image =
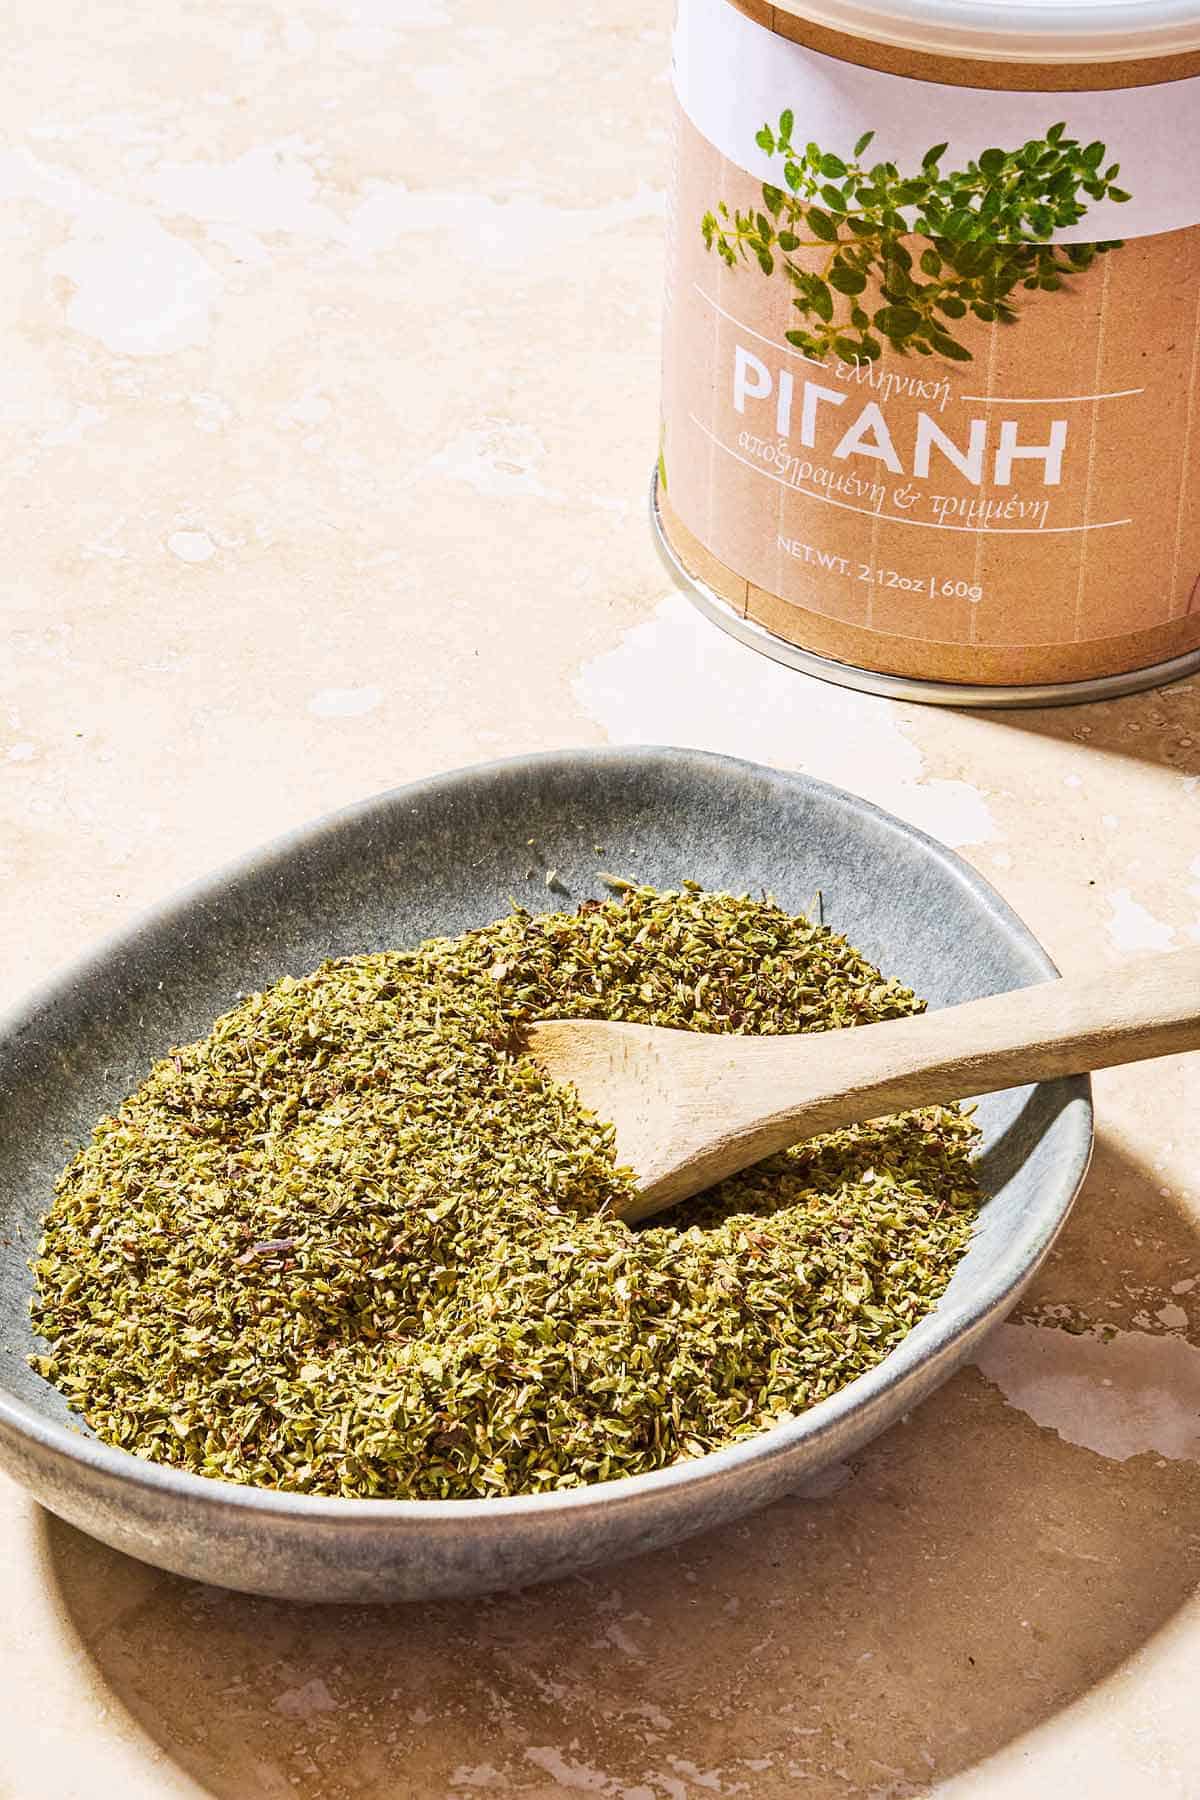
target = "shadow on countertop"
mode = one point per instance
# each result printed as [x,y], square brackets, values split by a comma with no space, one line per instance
[1160,727]
[969,1577]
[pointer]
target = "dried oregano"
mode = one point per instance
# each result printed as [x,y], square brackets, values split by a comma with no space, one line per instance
[354,1242]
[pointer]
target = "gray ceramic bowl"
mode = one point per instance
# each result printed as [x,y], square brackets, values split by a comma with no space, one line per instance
[438,857]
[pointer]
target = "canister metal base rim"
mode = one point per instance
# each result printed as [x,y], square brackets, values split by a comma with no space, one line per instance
[904,687]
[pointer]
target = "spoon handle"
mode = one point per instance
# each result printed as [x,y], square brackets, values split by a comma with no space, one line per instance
[693,1107]
[1150,1008]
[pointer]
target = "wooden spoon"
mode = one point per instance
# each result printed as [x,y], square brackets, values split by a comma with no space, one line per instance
[692,1107]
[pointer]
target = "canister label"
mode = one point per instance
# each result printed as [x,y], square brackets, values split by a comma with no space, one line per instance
[932,356]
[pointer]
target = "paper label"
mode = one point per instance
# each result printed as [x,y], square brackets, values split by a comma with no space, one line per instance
[931,352]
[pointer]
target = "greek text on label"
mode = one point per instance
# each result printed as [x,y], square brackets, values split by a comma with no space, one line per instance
[869,436]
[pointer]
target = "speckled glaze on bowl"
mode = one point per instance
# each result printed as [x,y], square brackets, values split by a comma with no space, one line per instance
[438,857]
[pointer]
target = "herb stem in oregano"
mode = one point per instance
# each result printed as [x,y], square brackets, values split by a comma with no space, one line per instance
[986,231]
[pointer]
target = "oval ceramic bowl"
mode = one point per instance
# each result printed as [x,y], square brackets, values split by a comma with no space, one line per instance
[439,857]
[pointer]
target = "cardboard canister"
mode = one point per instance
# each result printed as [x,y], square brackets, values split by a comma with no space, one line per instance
[931,365]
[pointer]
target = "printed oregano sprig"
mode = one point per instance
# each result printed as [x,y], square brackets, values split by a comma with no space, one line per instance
[988,229]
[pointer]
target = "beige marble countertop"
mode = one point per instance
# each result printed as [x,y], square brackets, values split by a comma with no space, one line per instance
[327,403]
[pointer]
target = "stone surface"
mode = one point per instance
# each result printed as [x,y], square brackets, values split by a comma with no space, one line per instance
[327,407]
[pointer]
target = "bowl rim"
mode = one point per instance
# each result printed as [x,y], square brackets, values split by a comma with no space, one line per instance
[937,1331]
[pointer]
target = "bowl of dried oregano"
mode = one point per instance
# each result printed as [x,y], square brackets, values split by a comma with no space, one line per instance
[313,1283]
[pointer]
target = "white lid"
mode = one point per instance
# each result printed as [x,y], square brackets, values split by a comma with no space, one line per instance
[1046,31]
